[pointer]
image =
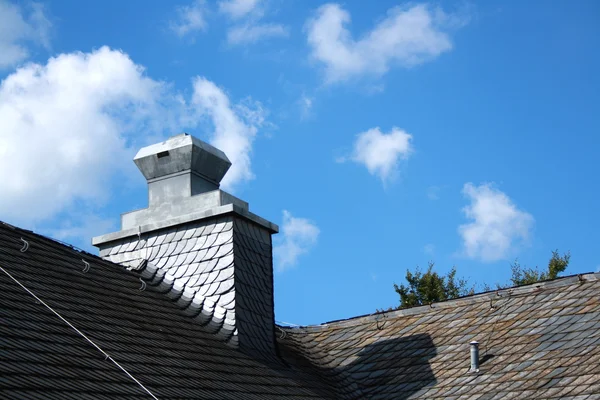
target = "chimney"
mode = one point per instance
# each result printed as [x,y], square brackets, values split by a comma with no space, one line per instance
[199,245]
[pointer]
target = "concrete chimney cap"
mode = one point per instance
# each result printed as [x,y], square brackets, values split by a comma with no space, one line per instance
[182,153]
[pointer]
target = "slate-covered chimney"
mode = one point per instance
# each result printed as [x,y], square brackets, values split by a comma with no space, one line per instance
[200,245]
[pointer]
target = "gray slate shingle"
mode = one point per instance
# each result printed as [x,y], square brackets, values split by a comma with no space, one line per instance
[538,341]
[146,332]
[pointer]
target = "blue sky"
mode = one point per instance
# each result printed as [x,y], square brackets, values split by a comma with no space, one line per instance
[378,135]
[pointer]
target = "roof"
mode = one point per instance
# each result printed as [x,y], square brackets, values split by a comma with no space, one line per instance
[536,341]
[42,357]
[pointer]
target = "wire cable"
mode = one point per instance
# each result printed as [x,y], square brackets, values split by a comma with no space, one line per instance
[108,357]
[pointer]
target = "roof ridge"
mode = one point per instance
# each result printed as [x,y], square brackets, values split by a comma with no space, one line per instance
[64,245]
[514,291]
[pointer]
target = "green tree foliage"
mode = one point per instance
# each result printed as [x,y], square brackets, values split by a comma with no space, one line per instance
[525,276]
[429,287]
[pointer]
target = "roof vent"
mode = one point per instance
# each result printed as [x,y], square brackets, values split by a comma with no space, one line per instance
[181,167]
[474,356]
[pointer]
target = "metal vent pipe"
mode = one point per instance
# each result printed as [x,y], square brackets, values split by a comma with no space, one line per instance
[474,356]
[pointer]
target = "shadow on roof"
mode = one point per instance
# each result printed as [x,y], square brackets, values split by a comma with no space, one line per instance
[395,368]
[398,367]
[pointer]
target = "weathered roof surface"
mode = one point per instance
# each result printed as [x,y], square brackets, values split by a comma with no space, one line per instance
[537,341]
[169,353]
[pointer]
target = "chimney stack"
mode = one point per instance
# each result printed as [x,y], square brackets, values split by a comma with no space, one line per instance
[199,245]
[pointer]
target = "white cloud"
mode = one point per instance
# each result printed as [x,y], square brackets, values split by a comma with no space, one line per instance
[381,152]
[65,128]
[429,249]
[190,19]
[497,225]
[247,28]
[235,127]
[297,237]
[306,104]
[18,29]
[433,192]
[407,36]
[252,33]
[70,126]
[236,9]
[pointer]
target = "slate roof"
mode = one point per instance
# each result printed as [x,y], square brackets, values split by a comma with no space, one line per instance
[144,331]
[537,341]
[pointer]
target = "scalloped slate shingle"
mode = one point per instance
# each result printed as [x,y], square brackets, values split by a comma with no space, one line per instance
[217,270]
